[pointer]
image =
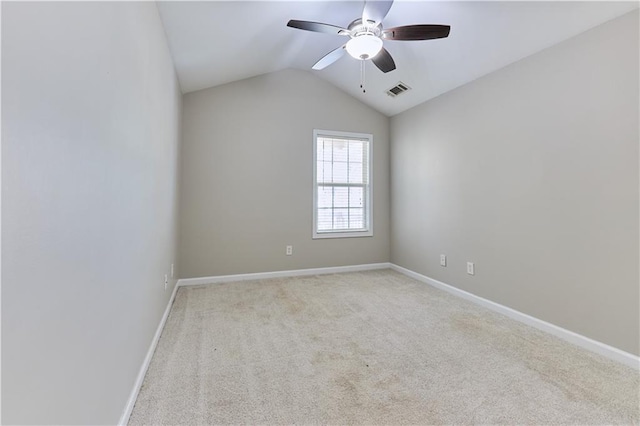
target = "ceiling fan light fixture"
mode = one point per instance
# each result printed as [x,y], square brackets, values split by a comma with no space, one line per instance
[367,35]
[364,46]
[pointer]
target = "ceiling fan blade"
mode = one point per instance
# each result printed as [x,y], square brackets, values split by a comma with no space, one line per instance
[329,58]
[416,32]
[375,11]
[384,61]
[317,27]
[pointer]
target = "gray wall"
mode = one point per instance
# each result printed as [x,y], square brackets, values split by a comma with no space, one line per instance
[246,186]
[90,130]
[532,173]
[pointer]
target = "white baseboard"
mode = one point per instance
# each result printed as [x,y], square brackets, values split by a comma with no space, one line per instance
[279,274]
[131,402]
[571,337]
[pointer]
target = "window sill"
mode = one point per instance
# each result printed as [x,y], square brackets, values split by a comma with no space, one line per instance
[322,235]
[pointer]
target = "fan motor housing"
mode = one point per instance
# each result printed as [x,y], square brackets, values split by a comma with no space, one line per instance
[357,28]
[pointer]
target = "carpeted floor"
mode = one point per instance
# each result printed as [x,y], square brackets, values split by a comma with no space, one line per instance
[370,347]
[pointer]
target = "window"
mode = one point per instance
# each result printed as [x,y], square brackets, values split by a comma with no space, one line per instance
[341,184]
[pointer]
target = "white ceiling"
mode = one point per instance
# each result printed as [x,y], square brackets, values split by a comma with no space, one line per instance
[218,42]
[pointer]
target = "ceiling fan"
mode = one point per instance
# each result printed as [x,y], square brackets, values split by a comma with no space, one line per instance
[367,36]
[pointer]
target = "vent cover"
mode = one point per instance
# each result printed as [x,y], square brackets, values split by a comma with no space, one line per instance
[398,89]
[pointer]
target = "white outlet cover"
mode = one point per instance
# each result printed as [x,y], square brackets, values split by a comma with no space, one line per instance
[443,260]
[471,268]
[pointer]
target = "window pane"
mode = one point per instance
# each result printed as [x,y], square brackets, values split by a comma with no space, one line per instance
[355,173]
[365,173]
[325,196]
[325,219]
[356,197]
[324,149]
[340,218]
[341,197]
[340,150]
[323,170]
[356,152]
[340,172]
[356,218]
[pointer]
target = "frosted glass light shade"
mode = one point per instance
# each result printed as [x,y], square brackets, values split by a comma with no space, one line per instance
[364,47]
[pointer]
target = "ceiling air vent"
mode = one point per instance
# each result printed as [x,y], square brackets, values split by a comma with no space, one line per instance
[397,89]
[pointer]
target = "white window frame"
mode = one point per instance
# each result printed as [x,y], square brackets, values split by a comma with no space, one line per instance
[368,190]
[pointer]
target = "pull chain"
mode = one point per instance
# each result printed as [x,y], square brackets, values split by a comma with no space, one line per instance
[362,77]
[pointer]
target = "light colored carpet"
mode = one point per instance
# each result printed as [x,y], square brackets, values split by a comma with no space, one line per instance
[368,348]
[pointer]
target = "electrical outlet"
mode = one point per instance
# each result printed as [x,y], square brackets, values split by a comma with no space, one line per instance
[471,270]
[289,250]
[172,270]
[166,282]
[443,260]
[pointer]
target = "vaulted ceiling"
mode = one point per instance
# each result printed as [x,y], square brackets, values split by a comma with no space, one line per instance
[218,42]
